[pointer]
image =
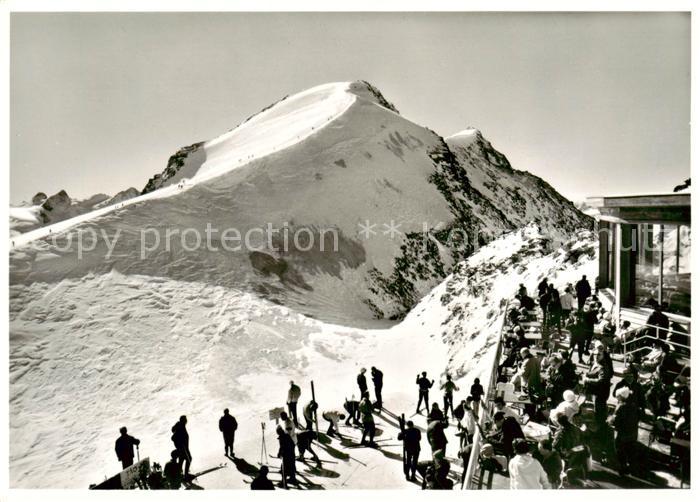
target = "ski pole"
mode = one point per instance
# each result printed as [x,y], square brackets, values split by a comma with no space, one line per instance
[138,456]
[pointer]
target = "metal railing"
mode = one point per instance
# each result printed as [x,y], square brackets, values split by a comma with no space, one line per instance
[640,331]
[485,409]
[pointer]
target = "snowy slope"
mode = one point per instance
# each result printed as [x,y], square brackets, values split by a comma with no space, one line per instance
[91,354]
[336,158]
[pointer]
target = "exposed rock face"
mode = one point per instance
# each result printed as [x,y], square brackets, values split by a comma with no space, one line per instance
[39,199]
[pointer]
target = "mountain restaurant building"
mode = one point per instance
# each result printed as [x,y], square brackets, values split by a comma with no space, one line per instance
[645,255]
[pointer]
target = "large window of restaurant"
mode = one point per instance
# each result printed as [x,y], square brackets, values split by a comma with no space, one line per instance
[662,266]
[611,256]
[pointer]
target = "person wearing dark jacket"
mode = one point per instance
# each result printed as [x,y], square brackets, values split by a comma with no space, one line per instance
[261,482]
[228,426]
[304,442]
[583,291]
[597,384]
[436,436]
[542,287]
[625,421]
[424,386]
[527,302]
[172,472]
[476,392]
[658,321]
[507,430]
[368,426]
[578,337]
[568,442]
[124,447]
[435,413]
[551,461]
[362,381]
[353,408]
[411,443]
[181,440]
[286,453]
[378,381]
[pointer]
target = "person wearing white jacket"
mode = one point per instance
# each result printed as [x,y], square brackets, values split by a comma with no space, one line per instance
[526,473]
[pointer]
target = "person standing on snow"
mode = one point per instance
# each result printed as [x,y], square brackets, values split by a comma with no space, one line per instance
[172,472]
[368,427]
[424,386]
[411,443]
[124,447]
[286,453]
[310,414]
[181,439]
[333,418]
[293,395]
[378,380]
[228,426]
[289,427]
[362,381]
[448,389]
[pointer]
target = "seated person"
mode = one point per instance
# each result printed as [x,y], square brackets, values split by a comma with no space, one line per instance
[490,461]
[499,405]
[507,430]
[568,407]
[654,359]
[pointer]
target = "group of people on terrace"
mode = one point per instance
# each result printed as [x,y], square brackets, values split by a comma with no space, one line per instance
[552,417]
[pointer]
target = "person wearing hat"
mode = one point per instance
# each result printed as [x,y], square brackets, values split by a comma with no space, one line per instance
[625,421]
[629,380]
[569,407]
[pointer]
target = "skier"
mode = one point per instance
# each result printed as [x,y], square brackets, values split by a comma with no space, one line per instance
[448,388]
[411,442]
[424,386]
[362,381]
[378,380]
[261,482]
[292,398]
[353,408]
[124,447]
[368,427]
[332,417]
[286,453]
[172,472]
[228,426]
[289,426]
[181,440]
[310,414]
[304,441]
[436,436]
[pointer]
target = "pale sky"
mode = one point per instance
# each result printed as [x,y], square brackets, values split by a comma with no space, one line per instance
[593,103]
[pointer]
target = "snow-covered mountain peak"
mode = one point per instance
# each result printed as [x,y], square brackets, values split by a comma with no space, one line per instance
[466,136]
